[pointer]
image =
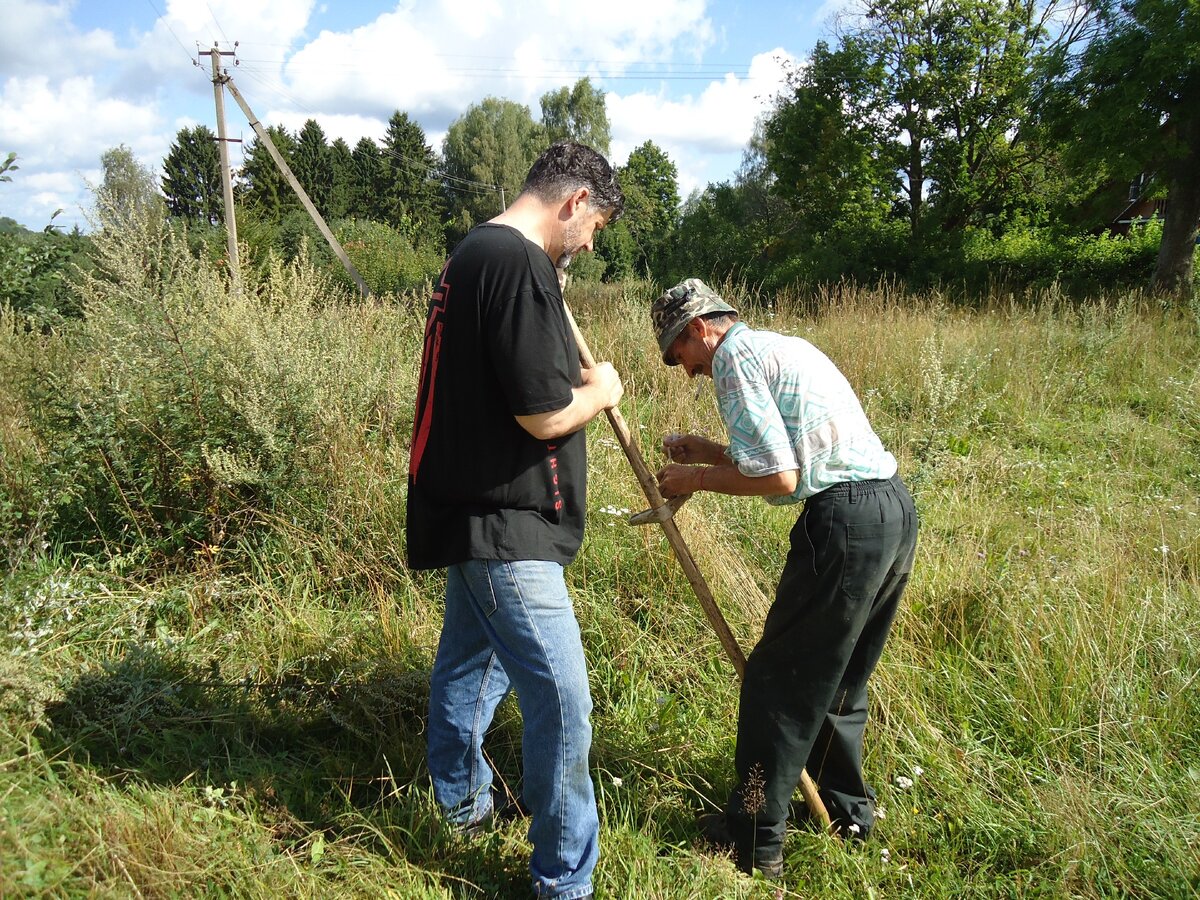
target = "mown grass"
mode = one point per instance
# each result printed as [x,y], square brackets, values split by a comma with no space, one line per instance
[240,711]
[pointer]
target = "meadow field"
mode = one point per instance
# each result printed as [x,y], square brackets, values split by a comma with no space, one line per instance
[214,663]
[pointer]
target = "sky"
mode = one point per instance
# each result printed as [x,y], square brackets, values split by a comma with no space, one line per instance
[82,76]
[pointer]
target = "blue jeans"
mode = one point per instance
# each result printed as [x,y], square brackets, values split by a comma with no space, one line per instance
[511,624]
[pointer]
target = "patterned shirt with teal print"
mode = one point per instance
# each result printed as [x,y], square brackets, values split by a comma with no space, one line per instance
[786,406]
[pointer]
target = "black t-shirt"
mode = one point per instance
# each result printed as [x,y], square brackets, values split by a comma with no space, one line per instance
[497,345]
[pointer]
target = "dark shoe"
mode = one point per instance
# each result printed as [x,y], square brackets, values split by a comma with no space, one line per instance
[714,831]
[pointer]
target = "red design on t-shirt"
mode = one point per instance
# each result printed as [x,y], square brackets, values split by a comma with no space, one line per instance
[423,417]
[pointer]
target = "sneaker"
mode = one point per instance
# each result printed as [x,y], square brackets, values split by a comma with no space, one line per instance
[497,815]
[714,831]
[478,827]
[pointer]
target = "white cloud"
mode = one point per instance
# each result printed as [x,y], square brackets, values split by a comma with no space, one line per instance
[698,132]
[433,59]
[58,132]
[62,125]
[41,39]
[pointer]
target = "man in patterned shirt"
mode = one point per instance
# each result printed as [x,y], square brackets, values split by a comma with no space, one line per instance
[797,432]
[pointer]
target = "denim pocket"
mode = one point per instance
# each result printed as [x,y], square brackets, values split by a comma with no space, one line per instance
[486,600]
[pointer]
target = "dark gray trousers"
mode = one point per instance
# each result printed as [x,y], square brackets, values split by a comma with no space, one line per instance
[804,699]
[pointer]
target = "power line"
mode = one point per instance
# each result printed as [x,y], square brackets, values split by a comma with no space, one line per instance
[625,74]
[573,61]
[162,18]
[215,22]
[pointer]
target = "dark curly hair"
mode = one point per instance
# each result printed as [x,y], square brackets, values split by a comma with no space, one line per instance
[567,166]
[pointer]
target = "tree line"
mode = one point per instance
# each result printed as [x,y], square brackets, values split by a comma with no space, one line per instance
[429,199]
[974,141]
[953,143]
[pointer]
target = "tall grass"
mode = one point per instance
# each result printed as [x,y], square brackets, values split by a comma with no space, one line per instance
[214,663]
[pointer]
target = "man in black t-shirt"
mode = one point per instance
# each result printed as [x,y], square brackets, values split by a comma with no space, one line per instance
[496,494]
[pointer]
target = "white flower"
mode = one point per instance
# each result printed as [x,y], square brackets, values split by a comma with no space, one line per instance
[854,829]
[918,771]
[1164,549]
[903,782]
[880,812]
[885,855]
[617,782]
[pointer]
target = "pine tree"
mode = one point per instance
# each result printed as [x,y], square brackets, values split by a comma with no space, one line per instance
[310,163]
[411,201]
[264,186]
[191,180]
[368,181]
[340,165]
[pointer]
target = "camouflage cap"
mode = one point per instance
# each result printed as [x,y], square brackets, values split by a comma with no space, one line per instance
[675,308]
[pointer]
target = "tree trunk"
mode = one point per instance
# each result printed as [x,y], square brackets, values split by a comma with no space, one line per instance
[916,183]
[1181,223]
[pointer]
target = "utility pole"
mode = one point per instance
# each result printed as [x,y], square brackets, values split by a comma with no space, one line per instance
[218,79]
[296,186]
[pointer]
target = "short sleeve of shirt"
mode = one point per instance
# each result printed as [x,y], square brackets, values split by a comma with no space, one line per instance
[531,355]
[758,438]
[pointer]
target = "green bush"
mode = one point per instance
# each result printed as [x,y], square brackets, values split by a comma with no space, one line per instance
[384,257]
[1026,256]
[179,415]
[35,268]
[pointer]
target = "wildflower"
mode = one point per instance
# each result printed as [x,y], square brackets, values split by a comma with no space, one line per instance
[617,782]
[854,829]
[1164,549]
[918,771]
[885,855]
[903,782]
[880,812]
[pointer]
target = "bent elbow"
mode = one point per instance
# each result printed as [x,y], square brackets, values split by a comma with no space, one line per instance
[544,427]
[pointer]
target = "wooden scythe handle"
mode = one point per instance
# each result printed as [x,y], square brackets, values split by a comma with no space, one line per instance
[649,485]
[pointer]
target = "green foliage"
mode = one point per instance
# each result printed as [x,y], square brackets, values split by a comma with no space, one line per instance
[9,165]
[310,164]
[386,258]
[578,114]
[176,426]
[340,159]
[265,188]
[369,180]
[490,146]
[35,269]
[1130,101]
[650,182]
[412,198]
[128,192]
[821,144]
[191,180]
[1024,257]
[722,233]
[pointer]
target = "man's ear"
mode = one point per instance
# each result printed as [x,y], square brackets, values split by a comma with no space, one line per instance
[577,199]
